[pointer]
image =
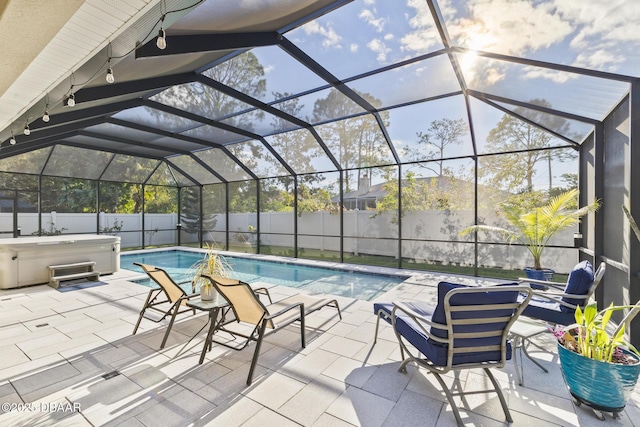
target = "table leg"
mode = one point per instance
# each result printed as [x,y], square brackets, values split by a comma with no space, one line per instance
[208,342]
[526,353]
[517,342]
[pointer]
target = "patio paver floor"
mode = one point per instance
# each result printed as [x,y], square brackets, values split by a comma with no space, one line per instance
[56,347]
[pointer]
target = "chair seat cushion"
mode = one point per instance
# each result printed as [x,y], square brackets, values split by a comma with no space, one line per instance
[548,311]
[579,282]
[423,308]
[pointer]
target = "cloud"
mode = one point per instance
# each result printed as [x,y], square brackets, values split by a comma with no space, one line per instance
[615,20]
[419,41]
[494,75]
[378,47]
[599,35]
[599,59]
[511,27]
[330,37]
[369,17]
[267,69]
[545,73]
[353,47]
[606,33]
[423,36]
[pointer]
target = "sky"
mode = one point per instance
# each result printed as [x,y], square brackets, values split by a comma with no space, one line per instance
[365,35]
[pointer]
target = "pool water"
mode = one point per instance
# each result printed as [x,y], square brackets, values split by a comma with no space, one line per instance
[314,279]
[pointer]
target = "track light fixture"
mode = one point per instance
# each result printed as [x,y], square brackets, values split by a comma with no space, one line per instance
[12,141]
[45,116]
[110,78]
[70,101]
[27,131]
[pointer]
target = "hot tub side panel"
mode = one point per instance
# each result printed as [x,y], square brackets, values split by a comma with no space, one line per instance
[26,261]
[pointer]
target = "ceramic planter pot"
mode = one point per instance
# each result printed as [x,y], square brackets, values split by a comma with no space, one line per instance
[544,274]
[208,292]
[602,385]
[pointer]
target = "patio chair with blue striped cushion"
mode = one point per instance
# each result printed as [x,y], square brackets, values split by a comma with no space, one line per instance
[555,302]
[468,329]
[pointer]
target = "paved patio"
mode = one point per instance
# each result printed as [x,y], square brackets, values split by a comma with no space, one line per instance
[57,347]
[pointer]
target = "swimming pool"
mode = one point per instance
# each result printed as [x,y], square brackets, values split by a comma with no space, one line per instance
[315,279]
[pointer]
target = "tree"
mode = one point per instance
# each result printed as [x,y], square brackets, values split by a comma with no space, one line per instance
[313,199]
[522,146]
[190,214]
[298,147]
[275,195]
[446,192]
[68,195]
[243,73]
[356,142]
[160,199]
[412,195]
[242,197]
[440,135]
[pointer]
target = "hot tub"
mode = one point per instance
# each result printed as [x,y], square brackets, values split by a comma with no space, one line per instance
[26,260]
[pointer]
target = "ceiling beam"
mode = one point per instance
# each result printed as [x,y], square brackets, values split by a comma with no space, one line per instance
[160,132]
[15,150]
[108,150]
[178,136]
[195,43]
[126,88]
[311,64]
[197,118]
[251,101]
[56,131]
[169,150]
[549,65]
[531,122]
[482,96]
[75,114]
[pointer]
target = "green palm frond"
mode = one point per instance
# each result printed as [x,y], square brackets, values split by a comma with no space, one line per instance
[534,228]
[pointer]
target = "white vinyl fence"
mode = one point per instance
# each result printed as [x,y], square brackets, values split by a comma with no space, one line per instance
[430,236]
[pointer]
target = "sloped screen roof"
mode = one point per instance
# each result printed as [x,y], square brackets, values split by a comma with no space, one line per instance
[331,86]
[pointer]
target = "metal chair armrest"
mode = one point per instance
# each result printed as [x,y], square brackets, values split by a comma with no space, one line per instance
[284,310]
[558,297]
[420,321]
[542,283]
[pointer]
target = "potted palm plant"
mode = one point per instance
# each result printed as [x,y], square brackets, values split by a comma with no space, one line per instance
[599,366]
[213,264]
[535,227]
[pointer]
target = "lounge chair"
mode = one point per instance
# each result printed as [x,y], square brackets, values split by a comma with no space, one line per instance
[169,300]
[468,329]
[555,302]
[175,298]
[257,288]
[248,309]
